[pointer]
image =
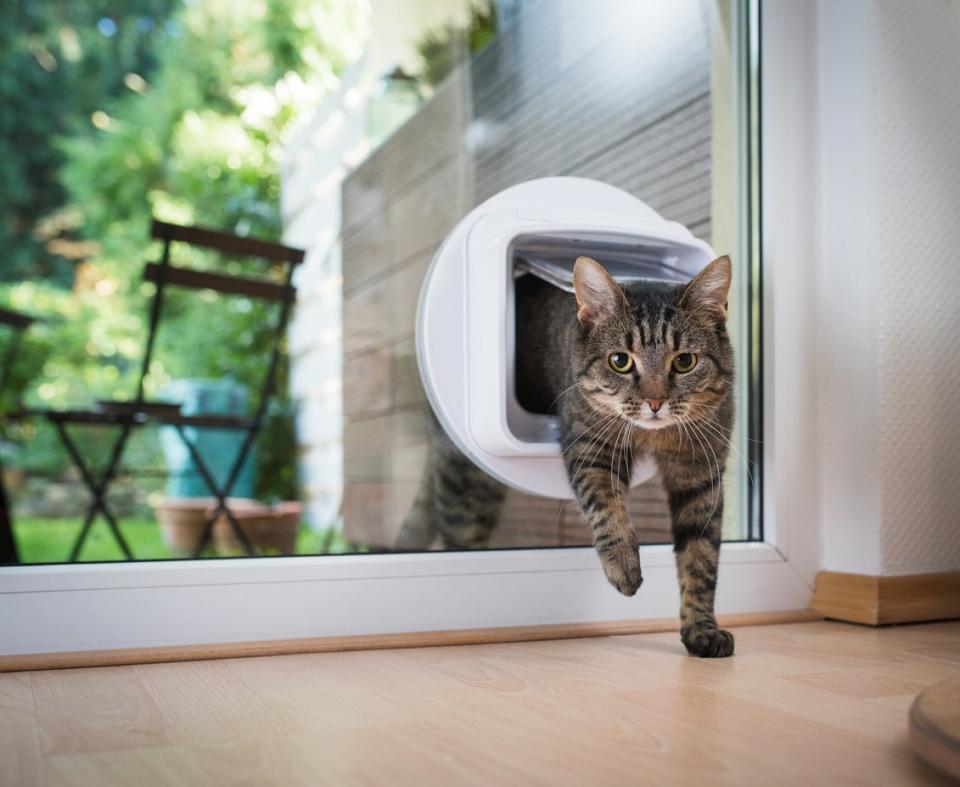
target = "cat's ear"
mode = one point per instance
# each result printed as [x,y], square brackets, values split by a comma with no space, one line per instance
[710,289]
[597,293]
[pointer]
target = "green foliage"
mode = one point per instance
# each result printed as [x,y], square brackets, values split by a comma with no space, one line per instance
[277,457]
[50,540]
[56,68]
[195,138]
[443,49]
[202,143]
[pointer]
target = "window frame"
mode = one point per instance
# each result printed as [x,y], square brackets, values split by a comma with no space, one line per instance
[58,608]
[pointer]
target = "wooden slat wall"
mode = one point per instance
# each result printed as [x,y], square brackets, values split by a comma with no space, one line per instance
[561,92]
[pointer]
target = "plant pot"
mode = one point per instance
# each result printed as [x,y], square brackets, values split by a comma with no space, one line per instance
[271,529]
[182,519]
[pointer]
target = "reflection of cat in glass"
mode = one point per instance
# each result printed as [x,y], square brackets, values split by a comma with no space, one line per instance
[644,368]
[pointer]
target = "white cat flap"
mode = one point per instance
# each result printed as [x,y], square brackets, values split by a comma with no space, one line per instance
[466,323]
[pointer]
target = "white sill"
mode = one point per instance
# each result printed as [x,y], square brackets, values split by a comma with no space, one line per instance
[320,568]
[46,609]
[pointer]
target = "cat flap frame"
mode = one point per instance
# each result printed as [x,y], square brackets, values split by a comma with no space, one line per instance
[465,333]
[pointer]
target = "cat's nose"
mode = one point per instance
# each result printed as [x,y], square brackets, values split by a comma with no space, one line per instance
[655,404]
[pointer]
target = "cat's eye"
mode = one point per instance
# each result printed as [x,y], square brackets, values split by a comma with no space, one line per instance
[621,362]
[684,362]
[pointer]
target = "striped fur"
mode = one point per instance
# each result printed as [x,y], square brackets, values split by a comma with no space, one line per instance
[456,500]
[608,420]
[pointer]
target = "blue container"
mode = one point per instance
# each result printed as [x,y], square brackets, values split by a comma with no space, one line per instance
[218,448]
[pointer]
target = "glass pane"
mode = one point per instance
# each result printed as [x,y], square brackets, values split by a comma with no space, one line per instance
[363,135]
[643,96]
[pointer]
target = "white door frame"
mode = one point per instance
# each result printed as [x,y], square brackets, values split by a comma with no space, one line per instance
[46,609]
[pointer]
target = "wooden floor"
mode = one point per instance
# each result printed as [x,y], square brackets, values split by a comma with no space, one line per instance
[806,703]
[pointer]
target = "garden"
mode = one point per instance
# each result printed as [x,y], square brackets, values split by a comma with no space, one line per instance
[175,111]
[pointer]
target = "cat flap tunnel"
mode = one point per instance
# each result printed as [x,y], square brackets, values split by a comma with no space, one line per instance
[466,331]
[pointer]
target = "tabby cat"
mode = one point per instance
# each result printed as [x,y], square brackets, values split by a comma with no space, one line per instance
[641,369]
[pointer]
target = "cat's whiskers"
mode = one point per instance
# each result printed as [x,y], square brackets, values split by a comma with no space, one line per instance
[593,447]
[626,455]
[590,423]
[682,429]
[613,458]
[593,422]
[703,414]
[716,485]
[599,439]
[715,430]
[595,443]
[563,393]
[600,422]
[703,447]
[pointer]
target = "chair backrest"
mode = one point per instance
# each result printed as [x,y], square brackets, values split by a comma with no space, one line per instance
[16,323]
[164,274]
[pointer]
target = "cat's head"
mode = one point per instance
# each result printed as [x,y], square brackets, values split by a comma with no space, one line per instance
[654,354]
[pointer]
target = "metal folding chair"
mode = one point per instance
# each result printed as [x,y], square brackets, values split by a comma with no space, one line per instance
[15,324]
[141,412]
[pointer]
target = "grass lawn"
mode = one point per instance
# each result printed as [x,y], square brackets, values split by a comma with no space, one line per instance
[50,540]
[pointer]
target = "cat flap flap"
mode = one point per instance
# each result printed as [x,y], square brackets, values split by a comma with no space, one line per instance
[627,257]
[559,271]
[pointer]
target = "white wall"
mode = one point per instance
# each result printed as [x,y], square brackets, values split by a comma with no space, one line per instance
[888,285]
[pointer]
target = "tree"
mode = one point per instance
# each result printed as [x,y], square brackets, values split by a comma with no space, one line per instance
[59,61]
[198,142]
[201,144]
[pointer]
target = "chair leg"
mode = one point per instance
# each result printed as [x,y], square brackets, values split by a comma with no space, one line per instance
[219,494]
[207,534]
[81,538]
[8,544]
[98,490]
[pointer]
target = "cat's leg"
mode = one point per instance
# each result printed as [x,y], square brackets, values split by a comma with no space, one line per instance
[419,527]
[599,472]
[455,499]
[466,502]
[695,494]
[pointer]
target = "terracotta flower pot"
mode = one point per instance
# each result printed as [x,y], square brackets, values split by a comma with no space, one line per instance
[271,529]
[182,519]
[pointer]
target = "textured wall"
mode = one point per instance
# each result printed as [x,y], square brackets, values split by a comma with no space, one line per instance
[918,147]
[889,280]
[847,291]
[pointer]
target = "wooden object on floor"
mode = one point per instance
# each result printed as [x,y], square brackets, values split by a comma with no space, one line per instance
[414,639]
[877,601]
[811,703]
[935,726]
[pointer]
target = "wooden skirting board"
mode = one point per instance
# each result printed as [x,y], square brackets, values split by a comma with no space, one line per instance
[877,601]
[420,639]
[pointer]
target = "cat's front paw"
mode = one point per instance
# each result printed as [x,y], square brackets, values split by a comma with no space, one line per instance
[707,642]
[622,567]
